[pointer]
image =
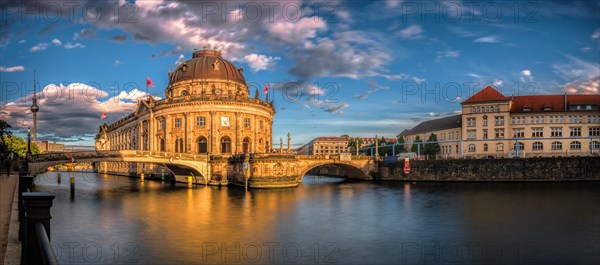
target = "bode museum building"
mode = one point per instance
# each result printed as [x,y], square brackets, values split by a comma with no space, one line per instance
[207,110]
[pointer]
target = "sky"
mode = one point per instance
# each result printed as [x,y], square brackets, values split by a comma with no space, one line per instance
[361,68]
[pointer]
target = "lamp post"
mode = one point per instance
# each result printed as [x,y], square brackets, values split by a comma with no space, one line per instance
[28,141]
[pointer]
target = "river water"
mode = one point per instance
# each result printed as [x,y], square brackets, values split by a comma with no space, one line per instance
[118,220]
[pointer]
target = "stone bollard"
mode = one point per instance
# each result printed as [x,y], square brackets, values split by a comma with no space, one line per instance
[189,182]
[38,210]
[142,177]
[72,181]
[58,178]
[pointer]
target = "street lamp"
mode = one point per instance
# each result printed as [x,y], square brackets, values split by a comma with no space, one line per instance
[28,141]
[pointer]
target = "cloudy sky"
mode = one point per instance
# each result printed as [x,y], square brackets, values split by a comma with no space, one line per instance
[334,67]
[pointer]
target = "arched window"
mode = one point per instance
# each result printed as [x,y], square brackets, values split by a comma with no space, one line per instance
[576,145]
[202,145]
[520,146]
[485,147]
[499,147]
[161,144]
[472,148]
[485,120]
[267,146]
[246,145]
[595,145]
[225,145]
[538,146]
[556,146]
[179,145]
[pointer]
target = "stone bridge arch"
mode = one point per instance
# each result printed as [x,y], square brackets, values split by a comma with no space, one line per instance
[353,170]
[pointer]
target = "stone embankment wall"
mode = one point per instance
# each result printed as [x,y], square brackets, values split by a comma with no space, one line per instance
[508,169]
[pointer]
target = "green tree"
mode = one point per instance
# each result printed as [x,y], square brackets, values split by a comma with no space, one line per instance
[352,143]
[345,135]
[415,148]
[4,131]
[430,147]
[400,148]
[18,146]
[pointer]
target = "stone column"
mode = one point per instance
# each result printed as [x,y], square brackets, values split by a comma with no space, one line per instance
[168,145]
[186,116]
[237,148]
[211,133]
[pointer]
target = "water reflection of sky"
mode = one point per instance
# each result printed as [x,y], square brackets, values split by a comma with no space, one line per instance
[327,219]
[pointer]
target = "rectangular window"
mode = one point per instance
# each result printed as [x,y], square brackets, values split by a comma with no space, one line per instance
[512,120]
[537,132]
[518,133]
[177,122]
[484,121]
[471,122]
[594,131]
[561,119]
[485,134]
[260,124]
[556,132]
[246,122]
[163,126]
[551,119]
[498,121]
[471,134]
[575,131]
[200,121]
[570,119]
[499,133]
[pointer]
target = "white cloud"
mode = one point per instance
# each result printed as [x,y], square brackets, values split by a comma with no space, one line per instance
[56,42]
[74,46]
[497,83]
[393,3]
[11,69]
[526,76]
[487,39]
[448,54]
[259,62]
[412,32]
[596,34]
[314,90]
[418,80]
[180,60]
[474,75]
[117,62]
[39,47]
[581,77]
[59,103]
[22,41]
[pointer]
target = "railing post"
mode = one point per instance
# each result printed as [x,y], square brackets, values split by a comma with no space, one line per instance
[25,183]
[38,210]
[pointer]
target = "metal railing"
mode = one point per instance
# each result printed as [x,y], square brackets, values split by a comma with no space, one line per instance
[34,227]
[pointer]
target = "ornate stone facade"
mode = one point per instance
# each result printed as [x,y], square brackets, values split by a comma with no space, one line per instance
[207,110]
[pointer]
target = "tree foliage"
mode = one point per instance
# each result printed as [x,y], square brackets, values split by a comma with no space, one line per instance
[430,147]
[4,131]
[415,146]
[18,146]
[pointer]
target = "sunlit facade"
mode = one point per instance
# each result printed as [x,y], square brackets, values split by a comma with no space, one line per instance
[207,109]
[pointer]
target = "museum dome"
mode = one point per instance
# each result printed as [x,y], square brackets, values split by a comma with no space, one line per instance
[207,64]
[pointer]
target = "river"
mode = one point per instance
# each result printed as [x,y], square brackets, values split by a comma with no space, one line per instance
[118,220]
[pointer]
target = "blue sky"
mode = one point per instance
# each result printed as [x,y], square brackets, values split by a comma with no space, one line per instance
[361,68]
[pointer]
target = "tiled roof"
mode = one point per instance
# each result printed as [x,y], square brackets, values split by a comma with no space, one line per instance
[485,95]
[330,139]
[550,103]
[449,122]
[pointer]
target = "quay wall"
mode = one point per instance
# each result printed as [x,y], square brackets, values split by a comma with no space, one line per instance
[506,169]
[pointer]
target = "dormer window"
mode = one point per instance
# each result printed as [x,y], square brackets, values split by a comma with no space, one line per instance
[526,108]
[547,108]
[184,67]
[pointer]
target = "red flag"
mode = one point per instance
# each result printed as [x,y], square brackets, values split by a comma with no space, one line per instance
[103,116]
[149,82]
[266,90]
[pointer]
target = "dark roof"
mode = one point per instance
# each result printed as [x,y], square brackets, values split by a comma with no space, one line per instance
[485,95]
[204,65]
[449,122]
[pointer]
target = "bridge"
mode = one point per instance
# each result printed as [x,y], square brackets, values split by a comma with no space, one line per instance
[252,170]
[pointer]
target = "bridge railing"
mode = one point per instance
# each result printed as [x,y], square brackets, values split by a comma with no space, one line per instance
[34,228]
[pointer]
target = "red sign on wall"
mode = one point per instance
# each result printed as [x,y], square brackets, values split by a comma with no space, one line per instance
[406,165]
